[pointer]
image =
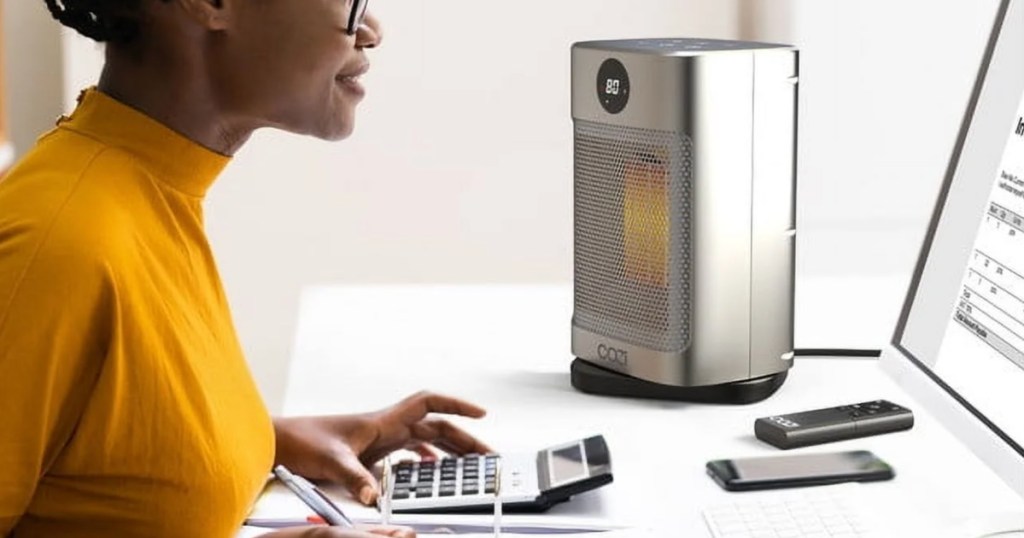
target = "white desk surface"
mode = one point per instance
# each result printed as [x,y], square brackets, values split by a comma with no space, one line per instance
[506,347]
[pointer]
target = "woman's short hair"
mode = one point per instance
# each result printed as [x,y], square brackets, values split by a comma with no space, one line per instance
[110,21]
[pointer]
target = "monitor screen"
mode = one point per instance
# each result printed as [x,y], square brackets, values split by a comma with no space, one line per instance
[981,355]
[963,323]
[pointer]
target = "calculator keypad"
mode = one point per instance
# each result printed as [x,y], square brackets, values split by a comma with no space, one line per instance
[449,477]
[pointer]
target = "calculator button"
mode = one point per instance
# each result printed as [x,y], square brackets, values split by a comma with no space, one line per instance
[489,488]
[400,494]
[425,491]
[446,493]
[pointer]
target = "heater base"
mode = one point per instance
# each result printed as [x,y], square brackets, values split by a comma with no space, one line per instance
[593,379]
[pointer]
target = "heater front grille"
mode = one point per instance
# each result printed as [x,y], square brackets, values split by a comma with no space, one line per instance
[632,191]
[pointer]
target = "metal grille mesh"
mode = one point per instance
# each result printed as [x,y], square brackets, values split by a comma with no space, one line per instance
[632,234]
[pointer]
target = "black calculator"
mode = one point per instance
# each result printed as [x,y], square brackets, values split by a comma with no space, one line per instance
[527,482]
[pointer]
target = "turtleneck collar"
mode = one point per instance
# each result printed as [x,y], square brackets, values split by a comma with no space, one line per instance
[171,157]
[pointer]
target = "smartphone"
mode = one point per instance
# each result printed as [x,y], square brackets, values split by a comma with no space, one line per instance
[748,474]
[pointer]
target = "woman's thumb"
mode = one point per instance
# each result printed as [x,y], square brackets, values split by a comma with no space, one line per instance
[350,472]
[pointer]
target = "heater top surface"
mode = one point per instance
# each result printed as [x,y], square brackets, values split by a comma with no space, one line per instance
[676,46]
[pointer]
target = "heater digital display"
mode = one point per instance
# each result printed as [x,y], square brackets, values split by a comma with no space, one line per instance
[613,86]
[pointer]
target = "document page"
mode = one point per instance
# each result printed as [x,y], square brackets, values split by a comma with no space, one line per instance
[982,354]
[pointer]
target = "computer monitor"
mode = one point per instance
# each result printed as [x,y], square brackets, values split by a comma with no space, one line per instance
[959,346]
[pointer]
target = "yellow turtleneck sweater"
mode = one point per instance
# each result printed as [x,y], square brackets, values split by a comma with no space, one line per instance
[126,406]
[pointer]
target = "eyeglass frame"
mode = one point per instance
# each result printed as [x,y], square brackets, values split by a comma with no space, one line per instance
[356,16]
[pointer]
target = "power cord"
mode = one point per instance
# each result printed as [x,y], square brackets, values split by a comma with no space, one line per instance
[832,352]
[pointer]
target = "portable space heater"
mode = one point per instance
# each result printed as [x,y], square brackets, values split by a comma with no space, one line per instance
[684,194]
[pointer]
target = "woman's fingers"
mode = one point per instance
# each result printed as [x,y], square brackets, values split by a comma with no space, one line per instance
[419,405]
[448,437]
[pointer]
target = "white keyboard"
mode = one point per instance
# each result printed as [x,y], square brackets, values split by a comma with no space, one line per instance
[821,512]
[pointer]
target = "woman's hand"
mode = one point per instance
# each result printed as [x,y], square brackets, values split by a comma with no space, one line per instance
[340,532]
[341,448]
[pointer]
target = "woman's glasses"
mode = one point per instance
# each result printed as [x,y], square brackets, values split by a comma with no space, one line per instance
[355,17]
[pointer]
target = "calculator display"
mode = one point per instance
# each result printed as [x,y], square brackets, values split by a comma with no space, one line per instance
[567,464]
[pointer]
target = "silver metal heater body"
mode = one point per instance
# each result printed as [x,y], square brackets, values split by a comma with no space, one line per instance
[684,217]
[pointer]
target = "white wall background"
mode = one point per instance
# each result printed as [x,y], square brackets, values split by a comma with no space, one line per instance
[883,89]
[34,74]
[460,168]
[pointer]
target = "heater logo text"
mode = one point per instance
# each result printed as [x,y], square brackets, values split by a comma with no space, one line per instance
[613,355]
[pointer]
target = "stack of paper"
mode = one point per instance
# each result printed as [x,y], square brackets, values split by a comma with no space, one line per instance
[278,505]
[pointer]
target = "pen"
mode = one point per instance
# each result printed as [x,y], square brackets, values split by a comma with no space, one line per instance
[497,498]
[283,523]
[385,494]
[313,497]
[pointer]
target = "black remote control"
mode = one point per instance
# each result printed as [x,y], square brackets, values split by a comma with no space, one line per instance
[833,424]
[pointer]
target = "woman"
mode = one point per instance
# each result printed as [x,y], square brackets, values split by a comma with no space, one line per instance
[128,410]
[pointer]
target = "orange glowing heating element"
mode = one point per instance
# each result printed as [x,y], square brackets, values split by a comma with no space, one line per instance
[645,218]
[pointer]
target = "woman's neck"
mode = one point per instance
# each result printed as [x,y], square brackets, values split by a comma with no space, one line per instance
[176,93]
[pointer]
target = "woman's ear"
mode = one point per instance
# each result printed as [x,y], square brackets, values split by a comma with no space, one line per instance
[210,14]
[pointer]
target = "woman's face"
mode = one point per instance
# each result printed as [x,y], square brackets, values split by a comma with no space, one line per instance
[290,64]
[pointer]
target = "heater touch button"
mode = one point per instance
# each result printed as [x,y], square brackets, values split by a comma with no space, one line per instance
[613,86]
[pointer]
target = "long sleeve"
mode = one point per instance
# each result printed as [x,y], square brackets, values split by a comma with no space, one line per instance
[54,327]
